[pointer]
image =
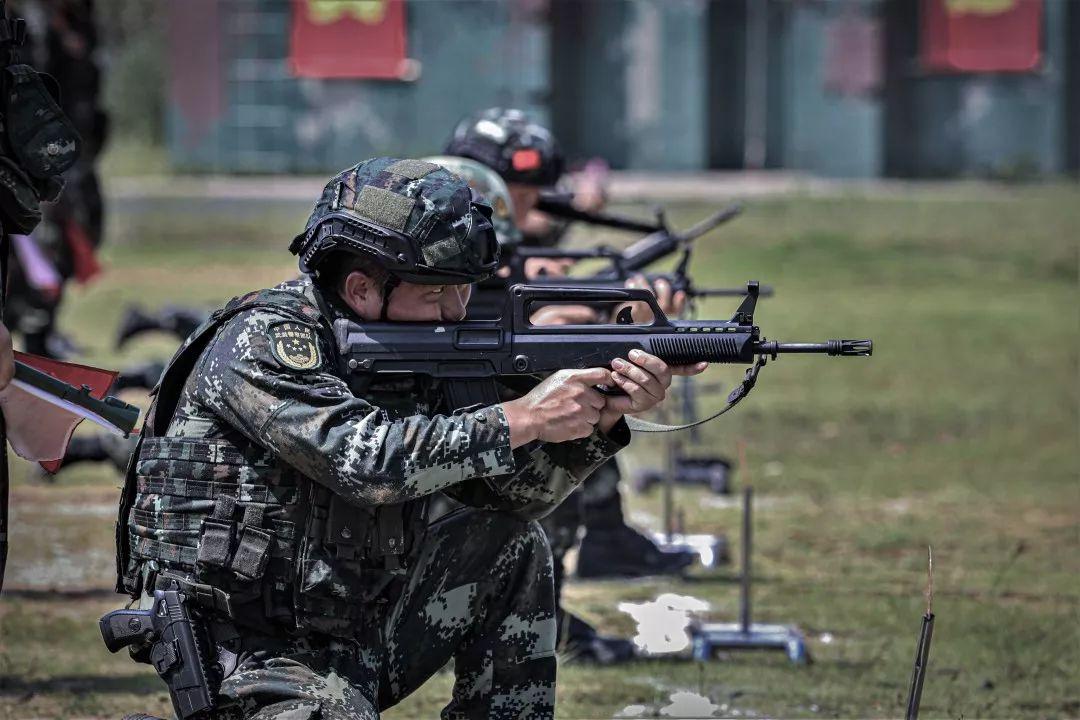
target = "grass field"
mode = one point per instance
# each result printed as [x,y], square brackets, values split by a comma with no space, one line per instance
[961,432]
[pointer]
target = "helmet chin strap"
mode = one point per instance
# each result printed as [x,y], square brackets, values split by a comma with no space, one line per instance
[388,288]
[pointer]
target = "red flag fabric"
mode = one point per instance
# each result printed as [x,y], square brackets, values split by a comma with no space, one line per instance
[83,255]
[348,39]
[39,429]
[981,35]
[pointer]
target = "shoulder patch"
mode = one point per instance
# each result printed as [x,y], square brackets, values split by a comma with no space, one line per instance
[294,345]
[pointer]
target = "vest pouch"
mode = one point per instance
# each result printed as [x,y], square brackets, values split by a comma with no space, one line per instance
[216,535]
[253,549]
[338,577]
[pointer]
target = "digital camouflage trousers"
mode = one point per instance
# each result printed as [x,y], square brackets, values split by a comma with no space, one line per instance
[479,593]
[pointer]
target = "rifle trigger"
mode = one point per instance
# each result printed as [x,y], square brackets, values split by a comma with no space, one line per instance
[625,316]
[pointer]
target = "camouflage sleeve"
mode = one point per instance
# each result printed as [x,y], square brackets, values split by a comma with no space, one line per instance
[549,473]
[269,378]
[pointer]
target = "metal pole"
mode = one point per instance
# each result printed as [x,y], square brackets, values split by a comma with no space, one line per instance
[747,541]
[674,450]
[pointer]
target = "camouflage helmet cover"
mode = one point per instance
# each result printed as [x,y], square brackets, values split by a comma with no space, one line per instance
[420,222]
[507,141]
[487,182]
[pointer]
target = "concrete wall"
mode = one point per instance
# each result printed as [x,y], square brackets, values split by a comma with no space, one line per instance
[473,54]
[647,84]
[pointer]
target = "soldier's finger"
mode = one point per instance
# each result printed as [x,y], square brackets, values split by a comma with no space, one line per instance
[621,404]
[678,303]
[639,398]
[592,376]
[642,377]
[593,399]
[653,364]
[662,290]
[687,370]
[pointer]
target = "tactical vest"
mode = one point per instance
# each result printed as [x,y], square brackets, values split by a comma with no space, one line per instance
[242,532]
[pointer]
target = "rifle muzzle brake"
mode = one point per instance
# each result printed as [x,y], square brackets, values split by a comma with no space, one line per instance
[833,348]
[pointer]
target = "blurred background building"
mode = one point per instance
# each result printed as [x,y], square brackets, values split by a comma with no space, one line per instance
[843,88]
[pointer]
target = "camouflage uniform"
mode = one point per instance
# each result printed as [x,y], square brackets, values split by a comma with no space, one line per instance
[332,597]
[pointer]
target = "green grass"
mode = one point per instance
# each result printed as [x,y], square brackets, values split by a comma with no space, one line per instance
[961,432]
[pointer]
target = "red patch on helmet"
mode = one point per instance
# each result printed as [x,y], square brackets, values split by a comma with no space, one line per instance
[523,160]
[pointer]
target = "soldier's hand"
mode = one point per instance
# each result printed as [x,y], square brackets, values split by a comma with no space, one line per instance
[7,357]
[547,267]
[671,303]
[565,315]
[645,379]
[565,406]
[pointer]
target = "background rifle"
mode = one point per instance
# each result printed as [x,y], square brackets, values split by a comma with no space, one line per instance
[561,205]
[488,296]
[471,353]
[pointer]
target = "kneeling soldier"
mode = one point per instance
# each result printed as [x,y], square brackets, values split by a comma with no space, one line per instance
[290,512]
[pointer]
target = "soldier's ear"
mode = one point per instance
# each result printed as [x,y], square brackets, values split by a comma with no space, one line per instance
[361,294]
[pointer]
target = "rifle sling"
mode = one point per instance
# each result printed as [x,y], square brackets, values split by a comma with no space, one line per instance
[741,390]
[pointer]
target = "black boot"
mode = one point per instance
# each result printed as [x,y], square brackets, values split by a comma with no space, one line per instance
[583,644]
[622,551]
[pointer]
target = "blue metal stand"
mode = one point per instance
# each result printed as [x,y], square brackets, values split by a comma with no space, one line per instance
[746,635]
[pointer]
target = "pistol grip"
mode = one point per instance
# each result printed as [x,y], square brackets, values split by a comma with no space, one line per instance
[121,628]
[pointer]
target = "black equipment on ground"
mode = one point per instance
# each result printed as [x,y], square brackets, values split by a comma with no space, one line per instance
[178,649]
[712,472]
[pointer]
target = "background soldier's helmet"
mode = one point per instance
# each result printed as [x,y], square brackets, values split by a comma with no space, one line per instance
[420,222]
[493,188]
[505,140]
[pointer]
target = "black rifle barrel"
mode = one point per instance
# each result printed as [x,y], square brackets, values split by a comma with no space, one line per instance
[561,206]
[835,348]
[662,243]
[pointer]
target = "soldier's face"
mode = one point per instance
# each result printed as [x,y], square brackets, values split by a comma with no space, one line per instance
[409,302]
[524,198]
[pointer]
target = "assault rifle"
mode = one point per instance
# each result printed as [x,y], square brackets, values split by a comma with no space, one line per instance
[470,353]
[488,295]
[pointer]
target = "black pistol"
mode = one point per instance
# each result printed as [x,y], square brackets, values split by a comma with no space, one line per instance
[177,651]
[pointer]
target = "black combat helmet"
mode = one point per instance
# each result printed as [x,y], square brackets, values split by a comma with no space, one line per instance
[506,140]
[419,221]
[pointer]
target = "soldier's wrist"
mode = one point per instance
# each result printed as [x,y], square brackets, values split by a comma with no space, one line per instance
[522,428]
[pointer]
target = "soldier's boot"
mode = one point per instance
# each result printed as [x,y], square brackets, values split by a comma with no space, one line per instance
[625,552]
[611,548]
[582,643]
[143,377]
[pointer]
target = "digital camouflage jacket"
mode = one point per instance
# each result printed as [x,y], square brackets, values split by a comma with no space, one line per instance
[275,495]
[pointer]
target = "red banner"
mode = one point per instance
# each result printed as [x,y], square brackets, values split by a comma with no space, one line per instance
[981,35]
[348,39]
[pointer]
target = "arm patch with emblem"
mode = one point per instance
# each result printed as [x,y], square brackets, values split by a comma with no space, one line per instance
[294,345]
